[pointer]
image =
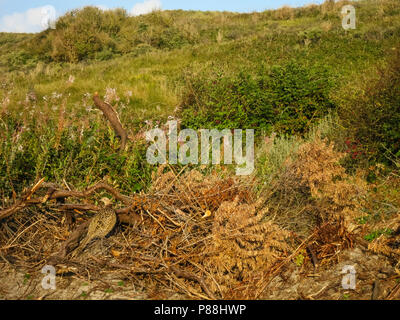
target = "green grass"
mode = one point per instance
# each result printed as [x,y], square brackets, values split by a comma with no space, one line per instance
[121,283]
[376,234]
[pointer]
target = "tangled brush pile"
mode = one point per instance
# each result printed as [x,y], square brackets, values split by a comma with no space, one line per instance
[203,193]
[209,236]
[235,246]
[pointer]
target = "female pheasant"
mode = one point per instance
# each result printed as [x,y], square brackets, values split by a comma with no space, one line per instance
[100,226]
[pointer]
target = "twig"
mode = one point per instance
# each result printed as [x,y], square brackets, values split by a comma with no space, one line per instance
[148,212]
[394,292]
[35,188]
[20,234]
[72,241]
[313,256]
[193,277]
[20,204]
[165,215]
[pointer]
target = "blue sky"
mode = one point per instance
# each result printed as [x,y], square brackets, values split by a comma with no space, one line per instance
[26,16]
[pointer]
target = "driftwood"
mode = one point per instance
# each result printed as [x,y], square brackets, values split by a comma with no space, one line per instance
[112,116]
[26,200]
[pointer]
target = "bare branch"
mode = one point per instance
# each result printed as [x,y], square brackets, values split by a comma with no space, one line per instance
[53,194]
[112,116]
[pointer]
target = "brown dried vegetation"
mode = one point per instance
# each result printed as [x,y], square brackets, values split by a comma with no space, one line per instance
[316,188]
[208,237]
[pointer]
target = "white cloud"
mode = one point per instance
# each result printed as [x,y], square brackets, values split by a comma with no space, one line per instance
[102,7]
[30,21]
[146,7]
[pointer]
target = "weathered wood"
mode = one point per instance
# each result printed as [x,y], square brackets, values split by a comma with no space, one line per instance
[112,116]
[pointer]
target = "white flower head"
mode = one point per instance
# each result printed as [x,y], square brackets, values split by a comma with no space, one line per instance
[111,95]
[71,79]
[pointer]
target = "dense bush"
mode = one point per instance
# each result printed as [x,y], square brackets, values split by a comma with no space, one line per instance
[81,33]
[92,33]
[226,102]
[289,97]
[300,95]
[373,115]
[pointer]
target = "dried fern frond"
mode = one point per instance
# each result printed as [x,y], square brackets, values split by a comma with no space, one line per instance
[243,244]
[316,176]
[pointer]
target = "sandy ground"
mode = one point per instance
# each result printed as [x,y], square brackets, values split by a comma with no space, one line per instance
[375,279]
[19,285]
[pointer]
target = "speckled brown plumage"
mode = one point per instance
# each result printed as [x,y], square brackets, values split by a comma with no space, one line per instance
[100,226]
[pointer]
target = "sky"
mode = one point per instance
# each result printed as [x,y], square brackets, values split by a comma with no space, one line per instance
[32,16]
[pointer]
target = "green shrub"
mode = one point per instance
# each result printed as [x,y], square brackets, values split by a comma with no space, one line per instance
[289,97]
[310,36]
[91,33]
[80,157]
[300,96]
[170,39]
[226,102]
[105,54]
[80,34]
[373,114]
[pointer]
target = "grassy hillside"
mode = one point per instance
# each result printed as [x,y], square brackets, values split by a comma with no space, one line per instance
[153,73]
[158,62]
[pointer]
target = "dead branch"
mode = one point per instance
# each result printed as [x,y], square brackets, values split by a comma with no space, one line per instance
[394,293]
[79,207]
[112,116]
[132,220]
[73,240]
[193,277]
[88,192]
[22,203]
[123,213]
[52,194]
[313,256]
